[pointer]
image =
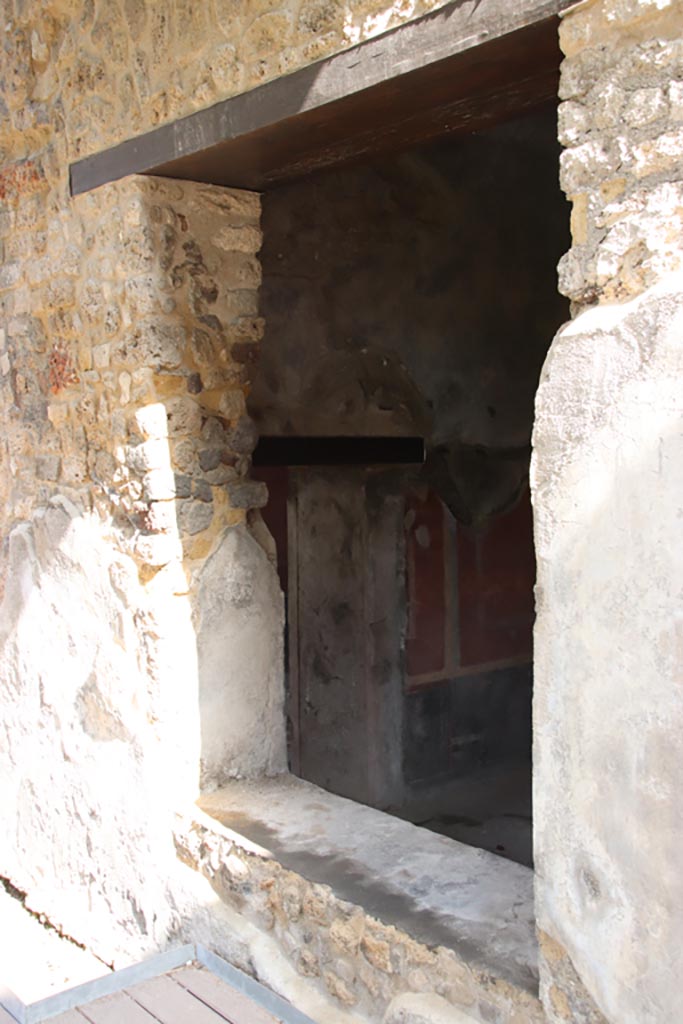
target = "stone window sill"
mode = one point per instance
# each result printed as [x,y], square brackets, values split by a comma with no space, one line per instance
[435,890]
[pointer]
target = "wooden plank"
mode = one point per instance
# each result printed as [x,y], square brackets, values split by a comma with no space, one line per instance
[223,998]
[170,1003]
[70,1017]
[240,981]
[383,581]
[115,981]
[115,1009]
[292,627]
[450,70]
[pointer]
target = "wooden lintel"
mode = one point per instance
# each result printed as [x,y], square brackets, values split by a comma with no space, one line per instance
[338,451]
[461,67]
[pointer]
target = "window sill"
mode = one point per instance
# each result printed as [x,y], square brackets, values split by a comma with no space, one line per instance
[433,889]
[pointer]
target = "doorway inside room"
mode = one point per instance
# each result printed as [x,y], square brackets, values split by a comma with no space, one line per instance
[410,298]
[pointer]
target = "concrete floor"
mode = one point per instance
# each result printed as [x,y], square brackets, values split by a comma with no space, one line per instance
[489,809]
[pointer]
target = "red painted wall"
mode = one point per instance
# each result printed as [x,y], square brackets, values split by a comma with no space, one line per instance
[491,569]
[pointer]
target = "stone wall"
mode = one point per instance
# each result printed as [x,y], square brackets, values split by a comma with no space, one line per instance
[363,927]
[127,328]
[127,318]
[128,325]
[607,494]
[128,321]
[80,75]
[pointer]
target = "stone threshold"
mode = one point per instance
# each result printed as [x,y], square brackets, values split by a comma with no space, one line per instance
[326,862]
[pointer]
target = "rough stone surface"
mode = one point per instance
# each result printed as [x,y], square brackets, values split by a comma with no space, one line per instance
[110,306]
[90,75]
[418,1009]
[563,990]
[623,165]
[107,423]
[365,927]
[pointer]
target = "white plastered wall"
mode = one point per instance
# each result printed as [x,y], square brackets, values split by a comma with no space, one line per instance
[607,476]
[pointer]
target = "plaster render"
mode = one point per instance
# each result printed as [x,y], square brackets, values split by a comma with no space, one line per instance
[240,630]
[94,746]
[607,493]
[607,485]
[415,1009]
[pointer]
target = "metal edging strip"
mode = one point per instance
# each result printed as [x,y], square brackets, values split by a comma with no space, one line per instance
[108,984]
[248,986]
[153,967]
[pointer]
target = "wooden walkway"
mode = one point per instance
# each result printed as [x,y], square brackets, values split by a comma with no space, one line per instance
[187,995]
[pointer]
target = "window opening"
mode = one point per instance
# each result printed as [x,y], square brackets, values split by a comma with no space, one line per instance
[410,301]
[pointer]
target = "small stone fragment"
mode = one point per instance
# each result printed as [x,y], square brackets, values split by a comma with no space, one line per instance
[194,516]
[210,458]
[183,485]
[243,438]
[203,491]
[159,485]
[248,494]
[151,454]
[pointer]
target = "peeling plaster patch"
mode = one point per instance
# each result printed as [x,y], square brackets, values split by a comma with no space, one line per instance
[97,717]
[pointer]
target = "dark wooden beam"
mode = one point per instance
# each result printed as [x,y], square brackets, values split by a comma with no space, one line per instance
[462,67]
[338,451]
